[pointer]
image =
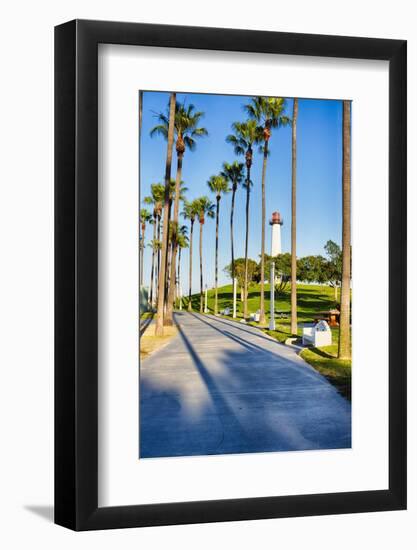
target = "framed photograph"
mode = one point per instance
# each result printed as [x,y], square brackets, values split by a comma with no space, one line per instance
[230,253]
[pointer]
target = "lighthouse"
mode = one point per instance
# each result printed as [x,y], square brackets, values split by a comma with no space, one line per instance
[276,222]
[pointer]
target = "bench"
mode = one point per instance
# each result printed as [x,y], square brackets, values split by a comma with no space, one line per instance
[318,335]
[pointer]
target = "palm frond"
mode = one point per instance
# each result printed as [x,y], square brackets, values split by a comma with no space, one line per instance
[159,130]
[218,185]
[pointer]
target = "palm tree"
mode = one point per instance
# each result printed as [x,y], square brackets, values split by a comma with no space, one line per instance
[156,199]
[245,136]
[268,113]
[145,217]
[205,208]
[218,185]
[155,245]
[182,243]
[172,230]
[190,212]
[187,129]
[294,327]
[159,325]
[344,351]
[234,174]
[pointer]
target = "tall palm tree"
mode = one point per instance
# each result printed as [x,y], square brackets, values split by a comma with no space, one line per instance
[294,327]
[156,199]
[217,185]
[159,325]
[155,245]
[344,351]
[182,243]
[205,208]
[151,246]
[172,230]
[245,136]
[233,173]
[268,113]
[190,212]
[145,217]
[187,129]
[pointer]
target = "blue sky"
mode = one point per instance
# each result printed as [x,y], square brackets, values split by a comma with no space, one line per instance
[319,172]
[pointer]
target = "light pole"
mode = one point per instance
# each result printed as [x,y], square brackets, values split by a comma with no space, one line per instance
[272,298]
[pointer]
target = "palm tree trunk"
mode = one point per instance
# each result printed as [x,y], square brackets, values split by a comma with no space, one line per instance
[158,263]
[201,267]
[171,292]
[168,260]
[142,249]
[190,308]
[179,276]
[153,263]
[167,281]
[245,285]
[216,273]
[262,320]
[294,327]
[344,330]
[159,327]
[232,210]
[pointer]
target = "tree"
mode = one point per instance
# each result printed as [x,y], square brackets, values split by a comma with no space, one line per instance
[245,271]
[172,231]
[268,113]
[145,217]
[155,245]
[217,185]
[334,265]
[245,136]
[205,208]
[159,325]
[294,325]
[312,269]
[187,129]
[233,173]
[156,199]
[190,212]
[182,243]
[344,351]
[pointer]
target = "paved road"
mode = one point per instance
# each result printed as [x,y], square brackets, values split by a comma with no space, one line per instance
[220,387]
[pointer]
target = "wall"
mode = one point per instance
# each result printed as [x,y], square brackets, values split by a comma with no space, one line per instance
[26,387]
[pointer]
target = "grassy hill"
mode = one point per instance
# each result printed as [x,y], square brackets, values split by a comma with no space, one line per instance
[311,301]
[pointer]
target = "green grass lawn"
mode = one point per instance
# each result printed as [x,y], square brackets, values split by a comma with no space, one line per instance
[337,371]
[311,301]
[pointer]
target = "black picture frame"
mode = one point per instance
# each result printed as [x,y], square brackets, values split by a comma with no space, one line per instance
[76,272]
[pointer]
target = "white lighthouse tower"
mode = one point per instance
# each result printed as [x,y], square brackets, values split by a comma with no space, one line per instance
[276,222]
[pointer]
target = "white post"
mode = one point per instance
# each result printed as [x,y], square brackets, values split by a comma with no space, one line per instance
[234,297]
[180,295]
[272,298]
[205,301]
